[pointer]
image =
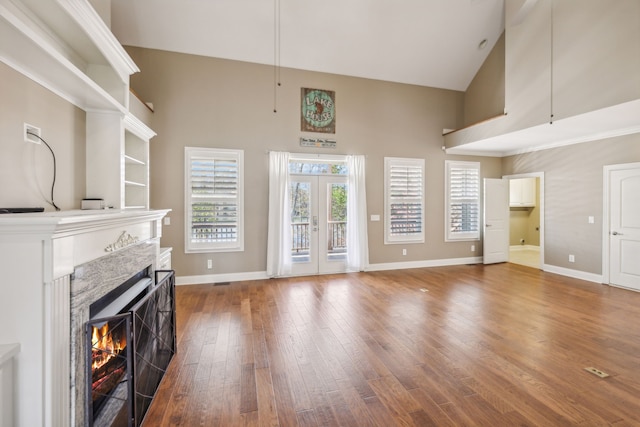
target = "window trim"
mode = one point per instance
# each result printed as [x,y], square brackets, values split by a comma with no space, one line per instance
[220,153]
[449,235]
[390,162]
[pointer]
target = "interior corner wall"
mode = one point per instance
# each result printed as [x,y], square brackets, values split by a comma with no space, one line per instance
[573,192]
[484,98]
[26,169]
[209,102]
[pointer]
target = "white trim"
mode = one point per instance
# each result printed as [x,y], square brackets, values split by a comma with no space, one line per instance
[137,127]
[224,277]
[606,182]
[423,264]
[517,248]
[211,153]
[576,274]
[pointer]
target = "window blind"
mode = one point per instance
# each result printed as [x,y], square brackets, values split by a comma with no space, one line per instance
[463,200]
[405,200]
[214,199]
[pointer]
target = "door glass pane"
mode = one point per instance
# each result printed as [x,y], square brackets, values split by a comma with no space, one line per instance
[299,196]
[337,221]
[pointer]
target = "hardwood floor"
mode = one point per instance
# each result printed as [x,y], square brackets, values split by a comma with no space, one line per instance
[499,345]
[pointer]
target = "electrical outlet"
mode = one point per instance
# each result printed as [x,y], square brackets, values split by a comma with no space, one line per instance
[209,264]
[167,220]
[30,129]
[404,252]
[572,258]
[473,248]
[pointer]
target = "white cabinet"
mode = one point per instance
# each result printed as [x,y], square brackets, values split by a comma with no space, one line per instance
[522,192]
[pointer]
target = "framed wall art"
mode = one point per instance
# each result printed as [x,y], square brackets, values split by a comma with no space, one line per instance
[318,111]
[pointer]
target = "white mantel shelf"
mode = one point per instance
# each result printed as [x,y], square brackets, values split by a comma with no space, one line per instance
[72,221]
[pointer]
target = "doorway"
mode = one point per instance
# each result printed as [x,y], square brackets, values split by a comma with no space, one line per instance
[497,233]
[525,231]
[621,226]
[318,224]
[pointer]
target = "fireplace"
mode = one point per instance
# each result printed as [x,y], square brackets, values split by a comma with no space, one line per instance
[130,340]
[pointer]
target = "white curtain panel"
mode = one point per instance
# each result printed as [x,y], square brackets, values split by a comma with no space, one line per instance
[279,233]
[357,239]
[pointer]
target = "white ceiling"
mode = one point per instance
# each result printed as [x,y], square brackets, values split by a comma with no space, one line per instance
[422,42]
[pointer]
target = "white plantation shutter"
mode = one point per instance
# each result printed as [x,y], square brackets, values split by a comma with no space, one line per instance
[214,200]
[463,200]
[404,200]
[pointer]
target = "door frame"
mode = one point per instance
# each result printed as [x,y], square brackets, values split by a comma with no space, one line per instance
[606,217]
[322,158]
[540,176]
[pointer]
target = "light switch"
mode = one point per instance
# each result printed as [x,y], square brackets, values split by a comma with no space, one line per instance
[167,220]
[592,220]
[375,217]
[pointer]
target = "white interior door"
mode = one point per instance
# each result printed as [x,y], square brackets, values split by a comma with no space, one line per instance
[624,229]
[318,224]
[496,221]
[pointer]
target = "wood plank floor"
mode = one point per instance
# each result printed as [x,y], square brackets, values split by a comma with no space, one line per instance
[499,345]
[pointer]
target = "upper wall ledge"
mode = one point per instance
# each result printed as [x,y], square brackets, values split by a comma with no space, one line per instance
[497,137]
[66,47]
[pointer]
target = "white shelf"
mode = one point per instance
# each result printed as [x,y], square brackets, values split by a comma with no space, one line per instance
[65,46]
[133,161]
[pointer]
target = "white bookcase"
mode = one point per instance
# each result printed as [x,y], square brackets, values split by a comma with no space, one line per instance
[66,47]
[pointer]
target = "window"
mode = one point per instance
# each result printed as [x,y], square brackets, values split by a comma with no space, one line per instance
[404,200]
[214,200]
[462,200]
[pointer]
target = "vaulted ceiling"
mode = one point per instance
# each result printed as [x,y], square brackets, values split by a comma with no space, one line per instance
[422,42]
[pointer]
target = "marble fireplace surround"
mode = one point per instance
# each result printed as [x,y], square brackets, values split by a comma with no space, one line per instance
[54,264]
[89,282]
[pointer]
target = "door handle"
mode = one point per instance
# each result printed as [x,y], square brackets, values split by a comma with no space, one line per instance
[315,223]
[487,225]
[615,233]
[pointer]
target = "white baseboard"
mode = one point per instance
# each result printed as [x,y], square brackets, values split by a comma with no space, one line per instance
[422,264]
[576,274]
[260,275]
[524,248]
[218,278]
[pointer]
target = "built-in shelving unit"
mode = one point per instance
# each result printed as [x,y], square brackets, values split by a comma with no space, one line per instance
[65,46]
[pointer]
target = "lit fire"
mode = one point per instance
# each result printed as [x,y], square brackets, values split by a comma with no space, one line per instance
[103,346]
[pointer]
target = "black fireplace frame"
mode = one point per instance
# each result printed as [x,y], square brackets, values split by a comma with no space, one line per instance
[161,295]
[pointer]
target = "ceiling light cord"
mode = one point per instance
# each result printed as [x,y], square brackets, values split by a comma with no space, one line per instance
[53,184]
[276,53]
[551,69]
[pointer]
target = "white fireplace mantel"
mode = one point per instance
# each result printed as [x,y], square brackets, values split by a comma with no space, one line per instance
[38,255]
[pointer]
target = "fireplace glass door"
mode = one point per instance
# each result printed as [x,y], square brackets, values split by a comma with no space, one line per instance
[129,353]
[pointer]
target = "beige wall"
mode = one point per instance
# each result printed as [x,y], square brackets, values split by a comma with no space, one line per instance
[210,102]
[484,97]
[26,170]
[573,192]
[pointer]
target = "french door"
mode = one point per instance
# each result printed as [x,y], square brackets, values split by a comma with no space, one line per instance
[318,224]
